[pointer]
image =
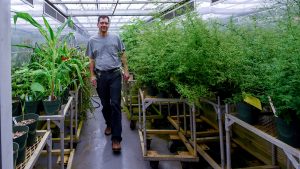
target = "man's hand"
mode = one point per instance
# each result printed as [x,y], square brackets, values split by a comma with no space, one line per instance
[126,76]
[93,81]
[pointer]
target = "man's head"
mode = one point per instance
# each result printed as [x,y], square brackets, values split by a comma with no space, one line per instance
[103,23]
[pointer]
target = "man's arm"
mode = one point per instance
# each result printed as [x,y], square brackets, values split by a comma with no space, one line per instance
[93,76]
[125,65]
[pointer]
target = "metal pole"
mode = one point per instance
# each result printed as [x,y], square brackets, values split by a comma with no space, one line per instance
[62,143]
[191,122]
[71,124]
[178,119]
[130,105]
[49,145]
[6,145]
[184,118]
[221,134]
[169,111]
[194,130]
[227,128]
[76,110]
[144,126]
[288,163]
[274,155]
[140,117]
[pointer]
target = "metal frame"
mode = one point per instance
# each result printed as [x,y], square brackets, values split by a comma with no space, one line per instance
[45,140]
[127,99]
[59,121]
[225,8]
[113,2]
[6,144]
[74,106]
[143,131]
[292,153]
[218,109]
[79,13]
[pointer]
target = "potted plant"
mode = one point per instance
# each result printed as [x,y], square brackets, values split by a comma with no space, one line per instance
[20,134]
[252,70]
[15,150]
[285,82]
[30,91]
[53,68]
[30,120]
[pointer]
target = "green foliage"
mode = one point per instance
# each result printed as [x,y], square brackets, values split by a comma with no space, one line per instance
[53,63]
[205,59]
[285,79]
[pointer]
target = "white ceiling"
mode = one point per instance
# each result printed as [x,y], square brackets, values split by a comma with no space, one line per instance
[85,12]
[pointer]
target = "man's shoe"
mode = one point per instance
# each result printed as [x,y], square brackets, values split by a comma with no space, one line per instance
[107,131]
[116,146]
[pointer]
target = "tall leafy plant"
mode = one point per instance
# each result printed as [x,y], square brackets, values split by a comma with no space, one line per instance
[50,65]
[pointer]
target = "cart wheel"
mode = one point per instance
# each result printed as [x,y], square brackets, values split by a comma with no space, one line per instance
[74,144]
[154,164]
[186,165]
[148,144]
[132,124]
[173,147]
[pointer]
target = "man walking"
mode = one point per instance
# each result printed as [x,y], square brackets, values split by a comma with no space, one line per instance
[107,54]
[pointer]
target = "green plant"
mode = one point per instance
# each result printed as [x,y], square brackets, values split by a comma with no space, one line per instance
[285,80]
[25,85]
[48,61]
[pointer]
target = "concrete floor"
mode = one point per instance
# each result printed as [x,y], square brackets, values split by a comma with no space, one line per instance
[94,148]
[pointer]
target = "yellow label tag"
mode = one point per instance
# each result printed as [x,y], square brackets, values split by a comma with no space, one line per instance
[253,101]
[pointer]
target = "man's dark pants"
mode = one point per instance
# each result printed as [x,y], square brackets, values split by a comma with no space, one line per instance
[109,91]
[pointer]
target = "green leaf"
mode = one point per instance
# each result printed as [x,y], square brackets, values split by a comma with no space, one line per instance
[62,27]
[50,30]
[23,46]
[37,87]
[27,17]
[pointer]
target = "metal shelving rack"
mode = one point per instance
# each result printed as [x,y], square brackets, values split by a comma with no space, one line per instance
[127,100]
[218,110]
[76,102]
[204,135]
[34,151]
[292,153]
[59,121]
[132,108]
[153,156]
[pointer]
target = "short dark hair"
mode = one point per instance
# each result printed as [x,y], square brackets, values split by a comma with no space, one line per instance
[103,17]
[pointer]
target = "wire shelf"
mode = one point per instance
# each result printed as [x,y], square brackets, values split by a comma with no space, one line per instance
[32,152]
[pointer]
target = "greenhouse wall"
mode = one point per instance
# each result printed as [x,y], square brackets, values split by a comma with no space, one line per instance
[6,160]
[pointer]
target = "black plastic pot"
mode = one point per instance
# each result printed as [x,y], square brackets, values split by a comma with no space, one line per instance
[52,107]
[65,96]
[32,127]
[40,107]
[15,149]
[22,140]
[31,107]
[162,94]
[151,90]
[288,132]
[16,107]
[247,112]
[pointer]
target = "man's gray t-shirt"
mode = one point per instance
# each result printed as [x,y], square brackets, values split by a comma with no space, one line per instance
[105,51]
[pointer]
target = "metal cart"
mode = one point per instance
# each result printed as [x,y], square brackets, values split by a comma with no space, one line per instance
[132,104]
[153,156]
[59,121]
[210,135]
